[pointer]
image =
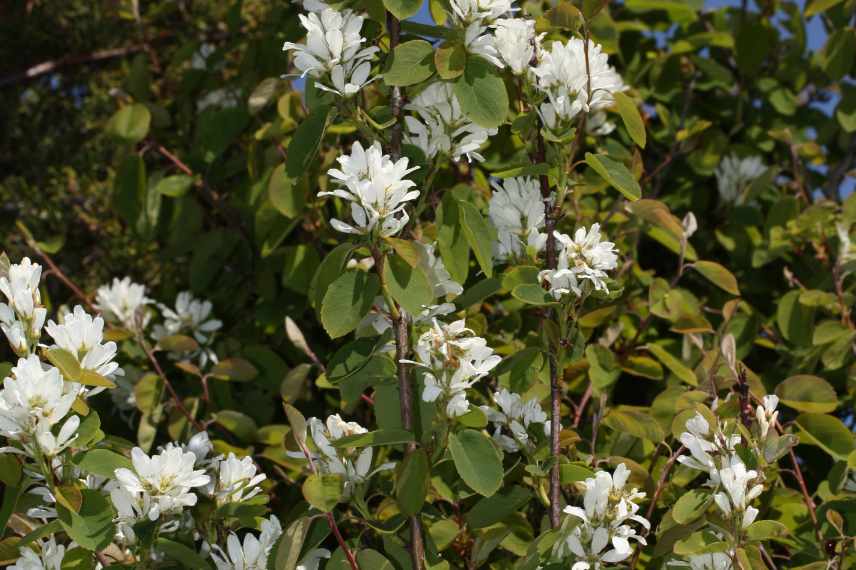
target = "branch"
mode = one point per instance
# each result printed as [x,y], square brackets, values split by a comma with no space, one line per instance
[400,324]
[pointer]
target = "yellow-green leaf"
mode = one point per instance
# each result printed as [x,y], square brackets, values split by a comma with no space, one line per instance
[718,275]
[631,118]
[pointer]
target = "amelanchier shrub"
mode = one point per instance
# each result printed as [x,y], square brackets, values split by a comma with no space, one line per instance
[505,375]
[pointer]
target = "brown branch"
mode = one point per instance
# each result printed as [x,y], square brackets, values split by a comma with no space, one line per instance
[54,269]
[400,324]
[54,64]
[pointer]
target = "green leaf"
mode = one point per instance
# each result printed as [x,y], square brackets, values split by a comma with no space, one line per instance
[91,527]
[412,63]
[701,542]
[634,422]
[491,510]
[795,320]
[718,275]
[290,545]
[477,460]
[451,242]
[826,432]
[603,368]
[657,213]
[234,369]
[368,558]
[573,472]
[691,506]
[178,343]
[130,123]
[565,15]
[102,462]
[374,438]
[631,118]
[673,363]
[839,53]
[807,393]
[413,478]
[766,530]
[533,294]
[67,364]
[306,141]
[286,193]
[450,59]
[323,491]
[481,93]
[616,174]
[409,250]
[480,234]
[407,285]
[92,378]
[174,186]
[818,6]
[329,270]
[237,423]
[185,555]
[347,301]
[403,9]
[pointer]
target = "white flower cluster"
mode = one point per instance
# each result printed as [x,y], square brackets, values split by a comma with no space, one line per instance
[454,359]
[515,416]
[576,78]
[600,533]
[714,451]
[22,316]
[253,553]
[334,51]
[440,126]
[712,561]
[50,556]
[191,316]
[124,302]
[517,212]
[161,486]
[352,464]
[583,258]
[735,174]
[377,189]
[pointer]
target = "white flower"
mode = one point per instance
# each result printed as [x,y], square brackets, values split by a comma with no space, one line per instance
[49,558]
[253,553]
[603,522]
[52,445]
[454,360]
[517,212]
[562,75]
[377,189]
[313,558]
[333,50]
[312,5]
[22,318]
[21,287]
[200,446]
[735,174]
[598,124]
[479,41]
[163,482]
[125,302]
[487,10]
[515,39]
[352,464]
[237,480]
[191,315]
[766,414]
[516,416]
[436,271]
[82,335]
[441,126]
[33,398]
[739,492]
[582,258]
[705,445]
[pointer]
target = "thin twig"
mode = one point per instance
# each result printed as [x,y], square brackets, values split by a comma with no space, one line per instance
[166,382]
[54,268]
[661,484]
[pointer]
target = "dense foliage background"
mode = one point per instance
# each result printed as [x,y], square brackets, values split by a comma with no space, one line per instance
[189,189]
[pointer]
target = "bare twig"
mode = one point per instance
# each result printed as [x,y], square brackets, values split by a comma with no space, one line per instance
[60,274]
